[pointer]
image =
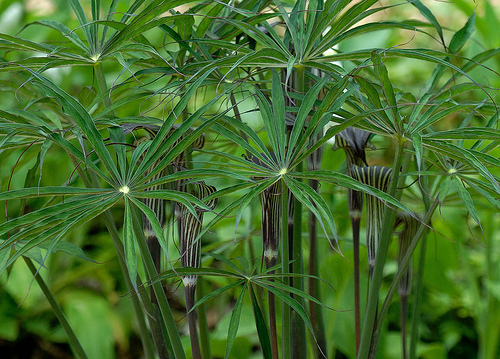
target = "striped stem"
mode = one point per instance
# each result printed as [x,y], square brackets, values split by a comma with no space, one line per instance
[354,141]
[411,226]
[190,227]
[271,200]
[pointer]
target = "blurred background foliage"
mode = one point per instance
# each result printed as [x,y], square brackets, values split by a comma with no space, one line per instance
[462,276]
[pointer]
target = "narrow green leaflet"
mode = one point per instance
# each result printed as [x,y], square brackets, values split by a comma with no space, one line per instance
[129,243]
[388,91]
[466,133]
[314,202]
[278,118]
[260,323]
[424,10]
[234,323]
[65,31]
[73,108]
[304,110]
[155,224]
[461,36]
[293,303]
[467,199]
[417,145]
[244,201]
[348,182]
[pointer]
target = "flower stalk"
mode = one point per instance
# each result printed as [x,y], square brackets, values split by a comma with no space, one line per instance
[404,287]
[190,228]
[354,141]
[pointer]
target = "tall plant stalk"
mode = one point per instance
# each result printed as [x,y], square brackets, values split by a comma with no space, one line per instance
[271,227]
[299,348]
[153,245]
[353,141]
[165,310]
[404,287]
[314,288]
[189,228]
[202,322]
[73,340]
[389,218]
[405,262]
[90,180]
[285,268]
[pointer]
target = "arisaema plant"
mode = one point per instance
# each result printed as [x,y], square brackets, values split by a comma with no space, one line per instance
[267,84]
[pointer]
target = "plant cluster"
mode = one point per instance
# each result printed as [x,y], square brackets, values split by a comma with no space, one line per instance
[204,117]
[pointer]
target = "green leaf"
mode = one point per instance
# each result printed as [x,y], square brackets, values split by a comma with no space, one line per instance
[304,110]
[417,145]
[73,108]
[293,303]
[314,202]
[278,118]
[51,191]
[234,323]
[264,338]
[388,91]
[463,35]
[429,16]
[466,133]
[129,244]
[65,31]
[215,293]
[68,248]
[467,199]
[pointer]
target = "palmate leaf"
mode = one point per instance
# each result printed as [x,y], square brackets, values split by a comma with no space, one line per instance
[469,65]
[457,42]
[59,228]
[428,55]
[430,117]
[274,131]
[82,118]
[304,110]
[348,182]
[159,144]
[61,210]
[68,248]
[183,141]
[465,156]
[293,303]
[388,91]
[333,26]
[371,27]
[78,154]
[197,174]
[279,285]
[333,101]
[65,31]
[245,129]
[16,43]
[313,201]
[50,191]
[263,156]
[278,118]
[382,118]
